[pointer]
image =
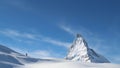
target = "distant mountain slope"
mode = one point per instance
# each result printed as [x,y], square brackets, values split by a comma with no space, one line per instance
[80,51]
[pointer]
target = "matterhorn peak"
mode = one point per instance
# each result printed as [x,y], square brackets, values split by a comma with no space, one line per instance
[79,51]
[78,35]
[79,40]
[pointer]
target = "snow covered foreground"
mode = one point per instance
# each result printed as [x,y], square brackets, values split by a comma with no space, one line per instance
[69,64]
[12,59]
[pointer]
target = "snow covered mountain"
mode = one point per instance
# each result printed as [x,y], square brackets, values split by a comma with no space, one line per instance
[80,51]
[10,58]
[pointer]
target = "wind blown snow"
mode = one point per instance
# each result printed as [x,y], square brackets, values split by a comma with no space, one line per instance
[66,64]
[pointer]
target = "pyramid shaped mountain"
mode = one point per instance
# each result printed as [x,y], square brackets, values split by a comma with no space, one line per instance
[79,51]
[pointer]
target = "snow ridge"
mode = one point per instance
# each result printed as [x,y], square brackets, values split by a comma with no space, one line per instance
[79,51]
[10,58]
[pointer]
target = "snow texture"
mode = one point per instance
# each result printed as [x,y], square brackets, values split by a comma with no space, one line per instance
[9,58]
[80,51]
[69,64]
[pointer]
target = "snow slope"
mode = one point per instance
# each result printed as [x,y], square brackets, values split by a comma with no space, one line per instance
[70,64]
[9,58]
[80,51]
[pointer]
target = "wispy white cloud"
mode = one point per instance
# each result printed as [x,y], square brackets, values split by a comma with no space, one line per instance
[74,31]
[68,29]
[56,42]
[18,34]
[31,37]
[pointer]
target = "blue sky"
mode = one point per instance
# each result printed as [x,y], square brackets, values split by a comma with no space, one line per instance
[46,28]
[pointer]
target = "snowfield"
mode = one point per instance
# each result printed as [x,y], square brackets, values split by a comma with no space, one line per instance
[12,59]
[69,64]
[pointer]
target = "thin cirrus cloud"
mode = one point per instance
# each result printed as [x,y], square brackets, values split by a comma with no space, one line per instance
[56,42]
[67,29]
[73,31]
[26,37]
[17,34]
[30,37]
